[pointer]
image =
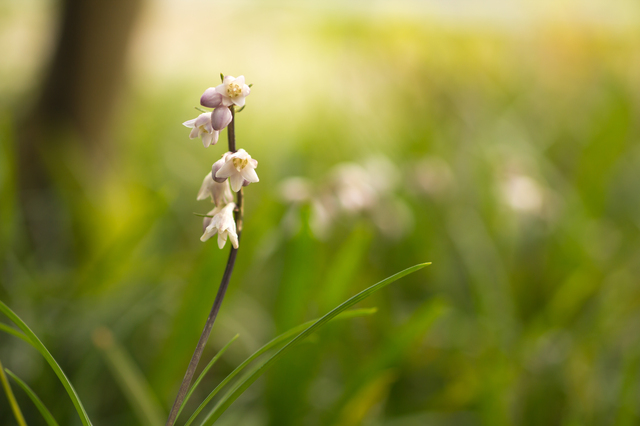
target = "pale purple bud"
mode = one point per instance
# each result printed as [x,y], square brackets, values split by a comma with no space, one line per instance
[221,117]
[214,169]
[210,98]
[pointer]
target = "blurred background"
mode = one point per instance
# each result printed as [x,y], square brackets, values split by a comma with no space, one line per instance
[496,139]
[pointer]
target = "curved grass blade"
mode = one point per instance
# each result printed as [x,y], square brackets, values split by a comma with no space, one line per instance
[271,344]
[36,401]
[235,392]
[204,372]
[36,343]
[12,399]
[128,376]
[14,332]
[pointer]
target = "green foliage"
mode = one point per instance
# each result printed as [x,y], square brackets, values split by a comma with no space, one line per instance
[46,414]
[517,151]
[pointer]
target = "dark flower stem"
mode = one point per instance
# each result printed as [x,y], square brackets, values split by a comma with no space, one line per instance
[226,277]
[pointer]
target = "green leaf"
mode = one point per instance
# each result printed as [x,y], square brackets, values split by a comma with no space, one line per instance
[236,391]
[204,372]
[130,379]
[12,399]
[36,343]
[274,342]
[37,402]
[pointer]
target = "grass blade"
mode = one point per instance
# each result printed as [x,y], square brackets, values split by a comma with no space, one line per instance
[130,379]
[12,399]
[37,402]
[36,343]
[204,372]
[271,344]
[14,332]
[234,393]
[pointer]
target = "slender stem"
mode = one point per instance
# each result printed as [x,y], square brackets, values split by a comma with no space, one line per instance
[231,130]
[222,290]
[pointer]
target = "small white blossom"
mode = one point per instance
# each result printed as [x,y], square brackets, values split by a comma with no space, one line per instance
[219,192]
[224,225]
[233,91]
[201,127]
[206,221]
[238,167]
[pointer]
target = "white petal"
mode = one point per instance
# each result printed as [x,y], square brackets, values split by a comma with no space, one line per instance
[205,189]
[250,174]
[253,162]
[194,133]
[234,239]
[208,233]
[226,170]
[202,119]
[206,139]
[228,79]
[189,123]
[240,80]
[222,239]
[246,90]
[239,101]
[236,180]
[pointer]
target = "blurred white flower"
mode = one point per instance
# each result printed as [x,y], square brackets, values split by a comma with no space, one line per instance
[354,188]
[522,193]
[219,192]
[238,167]
[224,225]
[233,91]
[201,127]
[295,190]
[433,176]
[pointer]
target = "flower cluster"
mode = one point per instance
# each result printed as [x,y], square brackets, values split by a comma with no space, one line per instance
[234,170]
[351,190]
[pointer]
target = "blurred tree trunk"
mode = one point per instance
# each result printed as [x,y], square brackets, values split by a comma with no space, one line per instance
[72,111]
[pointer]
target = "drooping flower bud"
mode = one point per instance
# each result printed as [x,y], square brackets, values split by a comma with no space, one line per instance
[216,166]
[210,98]
[221,117]
[238,167]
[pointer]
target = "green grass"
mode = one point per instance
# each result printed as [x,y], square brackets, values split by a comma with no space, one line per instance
[517,157]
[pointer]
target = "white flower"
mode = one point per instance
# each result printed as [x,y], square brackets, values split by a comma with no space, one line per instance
[206,221]
[233,91]
[238,167]
[201,126]
[219,192]
[224,225]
